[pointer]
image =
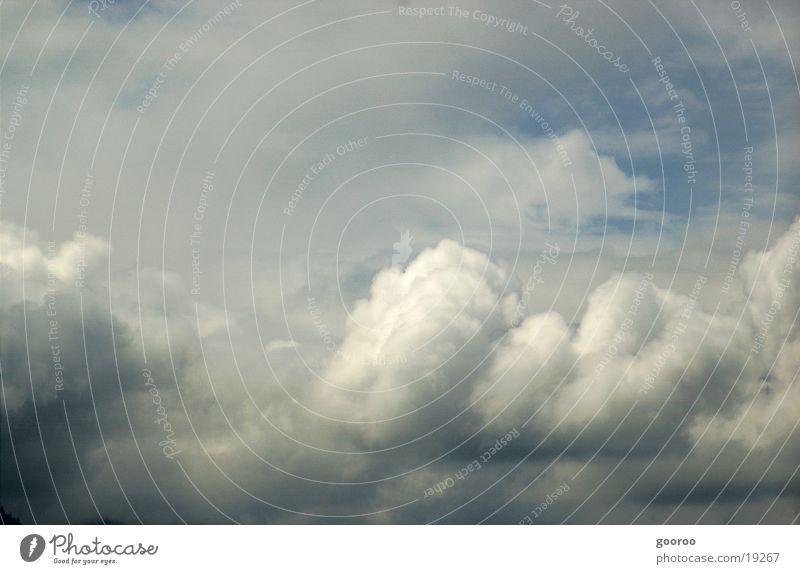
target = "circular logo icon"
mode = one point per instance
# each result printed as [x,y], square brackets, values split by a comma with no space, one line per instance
[31,547]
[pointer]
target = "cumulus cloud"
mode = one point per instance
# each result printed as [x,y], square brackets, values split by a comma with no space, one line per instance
[765,409]
[660,351]
[412,348]
[560,182]
[435,346]
[641,354]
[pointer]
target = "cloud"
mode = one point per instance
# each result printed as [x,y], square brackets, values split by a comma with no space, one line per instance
[766,410]
[433,346]
[659,351]
[559,183]
[412,347]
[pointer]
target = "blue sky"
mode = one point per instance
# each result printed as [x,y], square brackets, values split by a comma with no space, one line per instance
[180,182]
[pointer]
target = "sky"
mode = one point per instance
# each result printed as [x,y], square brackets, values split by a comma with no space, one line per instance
[399,262]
